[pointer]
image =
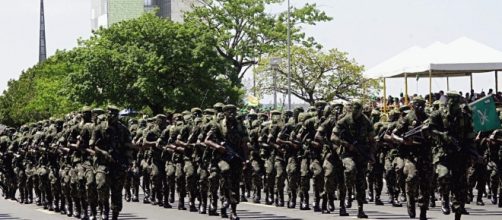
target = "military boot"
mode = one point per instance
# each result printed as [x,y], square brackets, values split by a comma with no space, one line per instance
[115,215]
[463,211]
[94,213]
[445,205]
[243,194]
[181,204]
[223,210]
[63,206]
[292,200]
[191,205]
[69,209]
[411,208]
[395,202]
[331,203]
[493,198]
[371,196]
[317,200]
[479,199]
[213,207]
[458,216]
[233,215]
[78,209]
[432,202]
[378,201]
[423,213]
[127,195]
[257,196]
[305,204]
[281,198]
[324,205]
[83,214]
[203,205]
[106,212]
[500,200]
[343,211]
[21,193]
[360,212]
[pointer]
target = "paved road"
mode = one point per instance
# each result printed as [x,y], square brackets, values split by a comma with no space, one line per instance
[139,211]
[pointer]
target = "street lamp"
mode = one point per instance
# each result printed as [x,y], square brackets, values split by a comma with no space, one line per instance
[274,65]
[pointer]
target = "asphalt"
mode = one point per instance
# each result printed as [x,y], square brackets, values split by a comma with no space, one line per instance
[137,211]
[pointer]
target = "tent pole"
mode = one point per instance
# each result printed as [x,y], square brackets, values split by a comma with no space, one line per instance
[496,82]
[447,83]
[384,95]
[470,76]
[430,87]
[406,88]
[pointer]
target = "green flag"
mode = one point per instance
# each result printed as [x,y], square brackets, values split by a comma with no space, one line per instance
[484,115]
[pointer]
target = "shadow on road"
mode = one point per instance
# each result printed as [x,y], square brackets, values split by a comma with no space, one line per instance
[246,214]
[7,216]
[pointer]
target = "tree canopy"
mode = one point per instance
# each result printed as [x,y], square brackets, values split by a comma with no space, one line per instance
[315,75]
[244,31]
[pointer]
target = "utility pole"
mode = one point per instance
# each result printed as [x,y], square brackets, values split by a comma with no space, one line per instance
[42,50]
[274,65]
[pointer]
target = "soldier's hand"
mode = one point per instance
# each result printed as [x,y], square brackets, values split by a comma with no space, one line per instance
[222,150]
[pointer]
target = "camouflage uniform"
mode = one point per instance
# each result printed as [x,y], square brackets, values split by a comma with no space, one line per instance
[449,126]
[417,157]
[230,137]
[354,134]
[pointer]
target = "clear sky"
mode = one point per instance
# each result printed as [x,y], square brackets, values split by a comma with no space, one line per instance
[370,31]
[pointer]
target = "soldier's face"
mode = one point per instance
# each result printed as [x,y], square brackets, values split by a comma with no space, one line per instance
[419,106]
[113,116]
[357,111]
[230,114]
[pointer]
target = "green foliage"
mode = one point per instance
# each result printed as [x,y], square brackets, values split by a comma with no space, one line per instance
[145,63]
[315,75]
[244,31]
[151,62]
[39,93]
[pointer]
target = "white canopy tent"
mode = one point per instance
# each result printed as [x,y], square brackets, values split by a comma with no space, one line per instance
[461,57]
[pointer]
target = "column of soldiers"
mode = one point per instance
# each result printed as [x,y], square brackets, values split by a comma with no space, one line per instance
[212,159]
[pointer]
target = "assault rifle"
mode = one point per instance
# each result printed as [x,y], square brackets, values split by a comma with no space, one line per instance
[230,153]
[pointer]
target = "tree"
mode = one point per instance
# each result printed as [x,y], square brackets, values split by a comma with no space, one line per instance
[245,31]
[151,62]
[39,92]
[315,75]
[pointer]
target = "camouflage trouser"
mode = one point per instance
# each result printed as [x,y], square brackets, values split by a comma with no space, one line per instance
[317,178]
[270,176]
[44,185]
[280,176]
[21,182]
[333,176]
[89,186]
[355,174]
[169,182]
[190,171]
[452,176]
[203,183]
[110,179]
[230,172]
[257,167]
[305,175]
[157,177]
[246,182]
[375,176]
[293,173]
[394,176]
[477,175]
[66,198]
[418,174]
[145,171]
[495,178]
[180,180]
[55,185]
[214,183]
